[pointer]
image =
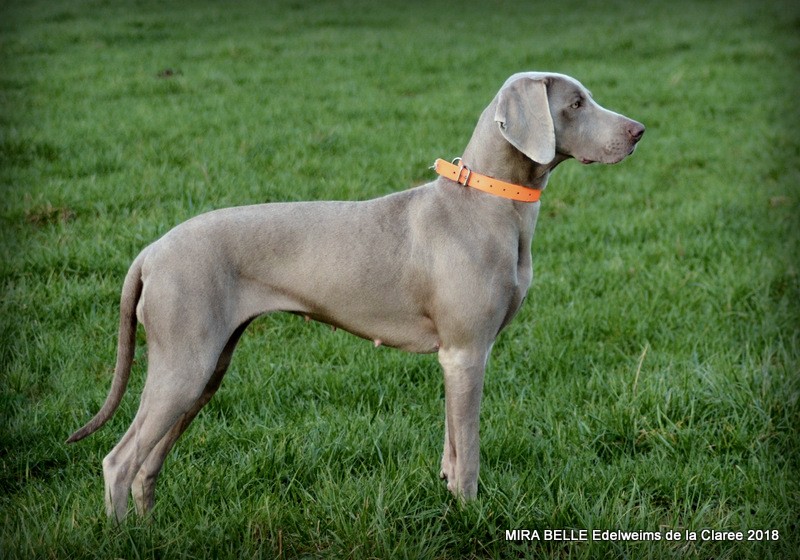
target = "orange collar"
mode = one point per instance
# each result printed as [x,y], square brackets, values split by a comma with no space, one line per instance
[483,182]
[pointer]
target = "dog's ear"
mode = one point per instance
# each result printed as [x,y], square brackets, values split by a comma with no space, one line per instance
[523,115]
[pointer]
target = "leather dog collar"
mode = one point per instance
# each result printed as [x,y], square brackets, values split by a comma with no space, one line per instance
[462,175]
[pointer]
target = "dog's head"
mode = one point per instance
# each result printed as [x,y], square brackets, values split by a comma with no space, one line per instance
[544,115]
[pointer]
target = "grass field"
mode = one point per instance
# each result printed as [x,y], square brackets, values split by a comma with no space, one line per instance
[650,382]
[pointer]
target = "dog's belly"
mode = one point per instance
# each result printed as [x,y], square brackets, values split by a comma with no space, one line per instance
[416,335]
[393,322]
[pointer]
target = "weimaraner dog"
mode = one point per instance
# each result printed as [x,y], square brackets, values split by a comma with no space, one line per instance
[438,268]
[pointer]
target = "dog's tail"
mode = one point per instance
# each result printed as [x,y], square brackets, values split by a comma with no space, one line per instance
[131,291]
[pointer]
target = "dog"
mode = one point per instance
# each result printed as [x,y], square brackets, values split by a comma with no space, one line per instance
[442,268]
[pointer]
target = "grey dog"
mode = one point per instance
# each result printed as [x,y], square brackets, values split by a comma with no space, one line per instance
[438,268]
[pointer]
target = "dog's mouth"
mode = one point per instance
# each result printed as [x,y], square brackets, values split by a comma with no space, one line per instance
[611,160]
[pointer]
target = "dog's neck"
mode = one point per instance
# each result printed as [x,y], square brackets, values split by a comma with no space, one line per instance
[489,153]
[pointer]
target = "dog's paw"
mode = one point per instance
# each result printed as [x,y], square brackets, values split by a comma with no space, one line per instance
[448,471]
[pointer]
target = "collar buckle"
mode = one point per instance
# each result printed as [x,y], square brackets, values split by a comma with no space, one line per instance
[462,167]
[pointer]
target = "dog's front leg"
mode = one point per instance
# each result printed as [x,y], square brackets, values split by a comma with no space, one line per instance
[463,387]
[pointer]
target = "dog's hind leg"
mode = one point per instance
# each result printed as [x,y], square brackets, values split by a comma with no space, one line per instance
[160,408]
[176,382]
[144,484]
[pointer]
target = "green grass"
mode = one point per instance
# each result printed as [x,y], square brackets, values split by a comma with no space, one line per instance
[650,382]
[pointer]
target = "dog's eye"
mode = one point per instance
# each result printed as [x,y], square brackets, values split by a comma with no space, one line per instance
[577,104]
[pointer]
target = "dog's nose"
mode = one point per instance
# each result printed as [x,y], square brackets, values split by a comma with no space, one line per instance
[636,130]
